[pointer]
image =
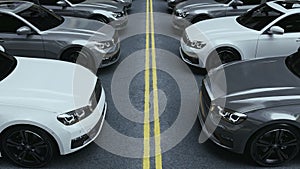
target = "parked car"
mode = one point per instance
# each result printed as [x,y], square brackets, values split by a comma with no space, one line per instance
[268,30]
[47,107]
[191,12]
[261,112]
[33,31]
[106,11]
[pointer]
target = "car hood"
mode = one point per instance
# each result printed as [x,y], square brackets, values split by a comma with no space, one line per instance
[107,5]
[253,85]
[219,28]
[47,85]
[83,28]
[190,6]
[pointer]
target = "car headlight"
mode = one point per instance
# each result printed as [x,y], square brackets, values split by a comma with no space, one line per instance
[183,14]
[197,44]
[117,14]
[171,1]
[74,116]
[104,44]
[228,115]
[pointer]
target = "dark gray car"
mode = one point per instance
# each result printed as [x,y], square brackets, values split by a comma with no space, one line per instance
[193,11]
[110,12]
[257,111]
[30,30]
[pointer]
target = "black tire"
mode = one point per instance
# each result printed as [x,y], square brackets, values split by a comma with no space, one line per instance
[80,56]
[102,19]
[274,145]
[221,56]
[27,146]
[200,18]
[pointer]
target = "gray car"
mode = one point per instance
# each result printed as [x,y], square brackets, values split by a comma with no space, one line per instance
[29,30]
[110,12]
[193,11]
[257,111]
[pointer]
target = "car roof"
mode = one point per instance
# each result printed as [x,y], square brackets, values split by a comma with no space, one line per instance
[285,5]
[14,6]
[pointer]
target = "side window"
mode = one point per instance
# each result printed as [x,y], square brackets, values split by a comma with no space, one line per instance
[49,2]
[11,24]
[251,2]
[290,24]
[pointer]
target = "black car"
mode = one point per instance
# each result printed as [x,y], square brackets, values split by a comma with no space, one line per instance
[255,108]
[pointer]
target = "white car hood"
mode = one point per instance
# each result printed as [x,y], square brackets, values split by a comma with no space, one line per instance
[219,28]
[47,85]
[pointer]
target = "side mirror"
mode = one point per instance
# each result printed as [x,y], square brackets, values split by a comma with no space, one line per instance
[276,30]
[236,3]
[2,49]
[62,3]
[24,30]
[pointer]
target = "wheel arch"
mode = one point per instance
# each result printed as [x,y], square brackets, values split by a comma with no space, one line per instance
[275,122]
[47,130]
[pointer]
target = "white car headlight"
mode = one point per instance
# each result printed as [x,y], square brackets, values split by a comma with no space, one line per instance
[228,115]
[183,14]
[74,116]
[197,44]
[104,44]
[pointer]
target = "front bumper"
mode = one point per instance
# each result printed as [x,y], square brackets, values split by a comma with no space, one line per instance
[180,23]
[119,23]
[75,137]
[228,136]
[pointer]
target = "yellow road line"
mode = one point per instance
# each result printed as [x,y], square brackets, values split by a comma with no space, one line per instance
[158,157]
[146,156]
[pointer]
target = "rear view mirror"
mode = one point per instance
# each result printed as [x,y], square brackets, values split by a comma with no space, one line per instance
[276,30]
[24,30]
[236,3]
[62,3]
[2,49]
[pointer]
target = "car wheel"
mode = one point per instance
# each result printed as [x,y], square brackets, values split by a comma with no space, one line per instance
[275,145]
[81,57]
[200,18]
[221,56]
[27,146]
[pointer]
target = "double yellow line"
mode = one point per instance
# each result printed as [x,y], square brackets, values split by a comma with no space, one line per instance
[147,148]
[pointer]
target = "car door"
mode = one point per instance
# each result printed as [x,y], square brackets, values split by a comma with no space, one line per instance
[53,5]
[19,45]
[281,44]
[234,9]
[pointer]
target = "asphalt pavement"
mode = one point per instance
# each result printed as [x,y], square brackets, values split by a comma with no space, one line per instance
[121,144]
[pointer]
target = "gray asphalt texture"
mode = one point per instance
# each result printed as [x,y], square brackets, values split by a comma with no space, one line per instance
[185,155]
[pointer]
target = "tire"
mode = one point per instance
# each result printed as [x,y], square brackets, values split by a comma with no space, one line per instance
[200,18]
[81,57]
[28,146]
[102,19]
[274,145]
[221,56]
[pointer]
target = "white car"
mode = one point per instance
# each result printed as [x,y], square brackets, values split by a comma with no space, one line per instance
[271,29]
[47,107]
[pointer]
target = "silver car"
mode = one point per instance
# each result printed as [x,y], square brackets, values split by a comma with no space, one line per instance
[257,111]
[111,12]
[30,30]
[190,12]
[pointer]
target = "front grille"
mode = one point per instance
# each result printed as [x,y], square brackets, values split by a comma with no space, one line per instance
[206,101]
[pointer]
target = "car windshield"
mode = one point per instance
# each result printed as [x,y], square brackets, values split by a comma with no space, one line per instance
[7,65]
[223,1]
[76,1]
[293,63]
[258,17]
[41,18]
